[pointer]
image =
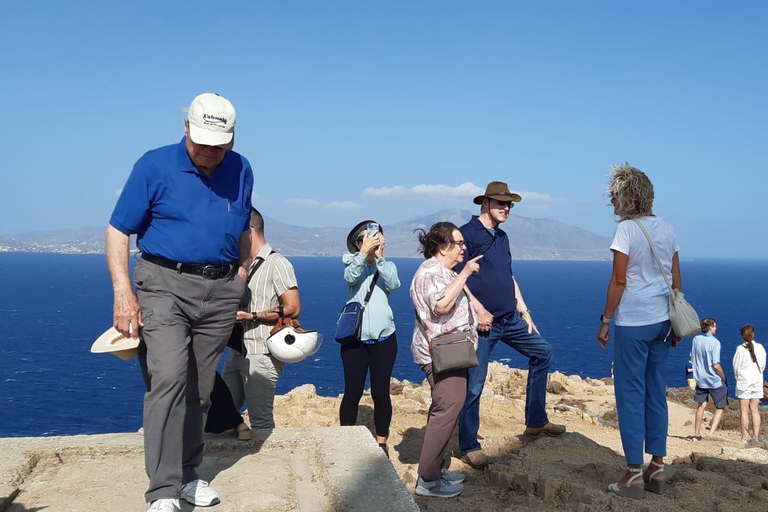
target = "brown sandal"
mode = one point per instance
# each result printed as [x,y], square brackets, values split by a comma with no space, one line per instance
[243,435]
[630,491]
[657,486]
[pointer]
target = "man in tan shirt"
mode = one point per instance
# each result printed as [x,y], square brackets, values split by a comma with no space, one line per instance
[252,377]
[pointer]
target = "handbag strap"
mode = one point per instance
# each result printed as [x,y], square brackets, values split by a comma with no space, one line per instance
[653,250]
[370,289]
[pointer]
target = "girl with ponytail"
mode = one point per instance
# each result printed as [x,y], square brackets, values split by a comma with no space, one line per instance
[748,366]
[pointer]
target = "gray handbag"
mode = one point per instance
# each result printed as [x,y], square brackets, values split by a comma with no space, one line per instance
[685,322]
[453,351]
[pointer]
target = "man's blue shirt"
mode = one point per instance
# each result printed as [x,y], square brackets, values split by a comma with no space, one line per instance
[181,214]
[705,352]
[494,285]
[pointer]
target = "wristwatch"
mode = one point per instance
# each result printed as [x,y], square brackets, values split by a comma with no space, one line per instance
[604,319]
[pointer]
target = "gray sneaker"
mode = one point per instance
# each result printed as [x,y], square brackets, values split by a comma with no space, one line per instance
[454,478]
[438,489]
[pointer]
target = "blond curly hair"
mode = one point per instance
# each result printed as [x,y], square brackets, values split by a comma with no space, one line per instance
[630,191]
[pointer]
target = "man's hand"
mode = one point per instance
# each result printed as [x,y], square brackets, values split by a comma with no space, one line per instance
[603,335]
[380,249]
[526,315]
[675,340]
[127,314]
[370,243]
[484,318]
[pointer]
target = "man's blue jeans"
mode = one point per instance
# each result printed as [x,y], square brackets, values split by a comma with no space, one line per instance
[513,331]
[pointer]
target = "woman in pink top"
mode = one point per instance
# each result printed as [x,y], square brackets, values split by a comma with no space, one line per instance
[442,307]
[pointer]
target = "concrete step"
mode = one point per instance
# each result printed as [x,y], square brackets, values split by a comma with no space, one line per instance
[323,469]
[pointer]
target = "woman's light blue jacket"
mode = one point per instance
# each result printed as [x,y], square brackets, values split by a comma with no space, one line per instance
[378,320]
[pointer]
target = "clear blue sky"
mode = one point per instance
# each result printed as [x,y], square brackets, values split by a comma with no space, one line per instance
[345,107]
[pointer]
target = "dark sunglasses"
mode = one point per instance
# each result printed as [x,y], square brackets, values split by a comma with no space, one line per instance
[359,239]
[502,204]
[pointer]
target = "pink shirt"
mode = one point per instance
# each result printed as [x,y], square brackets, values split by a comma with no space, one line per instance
[427,288]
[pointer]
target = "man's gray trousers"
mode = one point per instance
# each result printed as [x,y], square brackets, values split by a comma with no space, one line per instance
[187,322]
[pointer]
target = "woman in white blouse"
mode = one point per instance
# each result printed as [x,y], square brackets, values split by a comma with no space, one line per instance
[442,307]
[637,303]
[748,366]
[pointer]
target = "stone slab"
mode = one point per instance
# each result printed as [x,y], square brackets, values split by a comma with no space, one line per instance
[287,470]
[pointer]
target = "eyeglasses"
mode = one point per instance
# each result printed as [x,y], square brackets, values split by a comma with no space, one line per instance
[359,239]
[460,243]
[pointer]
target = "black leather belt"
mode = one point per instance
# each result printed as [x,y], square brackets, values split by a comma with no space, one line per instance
[207,271]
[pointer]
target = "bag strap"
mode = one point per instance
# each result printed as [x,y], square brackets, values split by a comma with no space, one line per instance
[256,266]
[653,250]
[370,289]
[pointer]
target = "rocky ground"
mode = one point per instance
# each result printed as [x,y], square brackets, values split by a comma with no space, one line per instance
[569,473]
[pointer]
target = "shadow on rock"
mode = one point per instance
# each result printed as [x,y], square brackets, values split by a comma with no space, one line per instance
[409,449]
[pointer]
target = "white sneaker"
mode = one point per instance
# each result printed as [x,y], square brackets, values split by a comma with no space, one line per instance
[198,493]
[165,505]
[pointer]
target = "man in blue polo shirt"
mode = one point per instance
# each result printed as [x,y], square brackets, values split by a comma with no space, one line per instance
[189,205]
[709,376]
[502,316]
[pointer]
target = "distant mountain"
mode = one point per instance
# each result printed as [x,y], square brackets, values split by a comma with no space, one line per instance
[531,239]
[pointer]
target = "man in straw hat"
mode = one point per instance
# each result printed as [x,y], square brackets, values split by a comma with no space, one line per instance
[502,316]
[188,204]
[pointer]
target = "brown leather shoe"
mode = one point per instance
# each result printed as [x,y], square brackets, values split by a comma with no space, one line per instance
[478,459]
[550,429]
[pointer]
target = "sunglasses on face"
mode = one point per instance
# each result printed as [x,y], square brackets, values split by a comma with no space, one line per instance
[502,204]
[359,239]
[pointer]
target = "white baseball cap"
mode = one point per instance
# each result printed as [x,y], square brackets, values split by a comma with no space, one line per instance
[211,120]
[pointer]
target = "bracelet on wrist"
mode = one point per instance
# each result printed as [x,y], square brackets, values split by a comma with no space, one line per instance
[525,312]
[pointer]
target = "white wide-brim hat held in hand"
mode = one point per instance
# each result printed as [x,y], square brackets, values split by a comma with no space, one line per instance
[112,342]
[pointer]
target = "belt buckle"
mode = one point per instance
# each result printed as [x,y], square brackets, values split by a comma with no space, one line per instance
[211,272]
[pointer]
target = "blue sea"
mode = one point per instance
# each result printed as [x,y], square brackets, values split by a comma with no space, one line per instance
[53,306]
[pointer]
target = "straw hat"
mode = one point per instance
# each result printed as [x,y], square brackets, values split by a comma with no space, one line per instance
[112,342]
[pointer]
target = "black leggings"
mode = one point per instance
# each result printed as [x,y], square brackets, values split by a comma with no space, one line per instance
[357,358]
[223,414]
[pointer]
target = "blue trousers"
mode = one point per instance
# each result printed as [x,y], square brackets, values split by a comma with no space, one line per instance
[640,359]
[513,331]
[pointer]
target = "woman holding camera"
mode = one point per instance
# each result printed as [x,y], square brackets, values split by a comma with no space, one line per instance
[442,307]
[365,267]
